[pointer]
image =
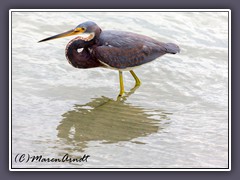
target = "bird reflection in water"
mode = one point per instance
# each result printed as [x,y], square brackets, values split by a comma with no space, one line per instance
[107,121]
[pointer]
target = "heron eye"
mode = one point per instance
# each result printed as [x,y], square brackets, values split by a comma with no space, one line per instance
[81,29]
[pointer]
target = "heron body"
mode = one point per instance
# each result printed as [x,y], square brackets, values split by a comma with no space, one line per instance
[117,50]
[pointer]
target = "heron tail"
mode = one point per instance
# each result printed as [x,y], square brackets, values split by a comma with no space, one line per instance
[172,48]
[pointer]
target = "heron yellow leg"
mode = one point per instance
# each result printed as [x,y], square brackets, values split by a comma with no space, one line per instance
[121,83]
[138,82]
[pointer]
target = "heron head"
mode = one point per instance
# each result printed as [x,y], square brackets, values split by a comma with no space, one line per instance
[86,31]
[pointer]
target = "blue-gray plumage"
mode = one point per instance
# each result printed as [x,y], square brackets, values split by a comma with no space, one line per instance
[121,50]
[112,49]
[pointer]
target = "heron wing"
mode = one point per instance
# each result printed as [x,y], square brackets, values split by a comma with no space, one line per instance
[123,50]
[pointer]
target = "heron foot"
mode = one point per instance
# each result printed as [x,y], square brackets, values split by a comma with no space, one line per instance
[125,95]
[137,84]
[121,94]
[137,80]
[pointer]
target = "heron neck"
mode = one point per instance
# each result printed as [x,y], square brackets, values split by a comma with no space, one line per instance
[78,54]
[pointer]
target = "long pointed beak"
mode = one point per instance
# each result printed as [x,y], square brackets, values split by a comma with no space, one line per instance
[61,35]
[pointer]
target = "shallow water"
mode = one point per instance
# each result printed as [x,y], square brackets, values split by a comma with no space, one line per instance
[177,118]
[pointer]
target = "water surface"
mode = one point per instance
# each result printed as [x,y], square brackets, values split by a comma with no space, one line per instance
[178,118]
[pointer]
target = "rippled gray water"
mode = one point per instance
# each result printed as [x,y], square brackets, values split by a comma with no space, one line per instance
[178,118]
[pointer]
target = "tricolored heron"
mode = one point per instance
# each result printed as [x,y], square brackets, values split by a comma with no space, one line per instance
[112,49]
